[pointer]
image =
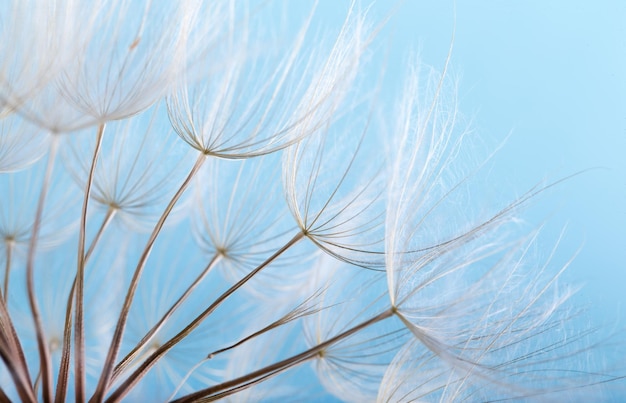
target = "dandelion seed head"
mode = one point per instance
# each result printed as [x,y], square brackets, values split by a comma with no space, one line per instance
[18,204]
[336,193]
[132,178]
[132,59]
[289,96]
[249,221]
[351,369]
[21,144]
[44,38]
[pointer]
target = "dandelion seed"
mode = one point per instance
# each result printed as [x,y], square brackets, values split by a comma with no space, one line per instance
[248,222]
[21,144]
[336,195]
[161,42]
[131,180]
[480,312]
[17,210]
[44,37]
[236,114]
[352,369]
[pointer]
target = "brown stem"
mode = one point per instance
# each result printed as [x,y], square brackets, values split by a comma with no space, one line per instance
[79,326]
[119,369]
[42,346]
[64,366]
[7,268]
[298,312]
[3,397]
[233,386]
[110,214]
[11,349]
[138,374]
[20,379]
[107,370]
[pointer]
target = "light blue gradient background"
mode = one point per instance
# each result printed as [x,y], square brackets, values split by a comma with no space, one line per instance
[546,80]
[553,73]
[550,75]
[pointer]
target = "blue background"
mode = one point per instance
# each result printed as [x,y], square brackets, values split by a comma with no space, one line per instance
[552,77]
[544,82]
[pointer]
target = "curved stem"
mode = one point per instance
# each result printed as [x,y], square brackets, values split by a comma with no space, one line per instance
[7,268]
[64,366]
[138,374]
[122,365]
[3,397]
[110,214]
[20,378]
[238,384]
[300,311]
[107,371]
[79,326]
[8,333]
[11,349]
[42,346]
[184,380]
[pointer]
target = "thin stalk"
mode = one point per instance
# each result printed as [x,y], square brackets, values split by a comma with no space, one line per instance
[110,214]
[138,374]
[122,365]
[42,346]
[238,384]
[184,380]
[300,311]
[10,346]
[242,341]
[20,379]
[37,382]
[7,268]
[109,363]
[3,397]
[64,366]
[79,326]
